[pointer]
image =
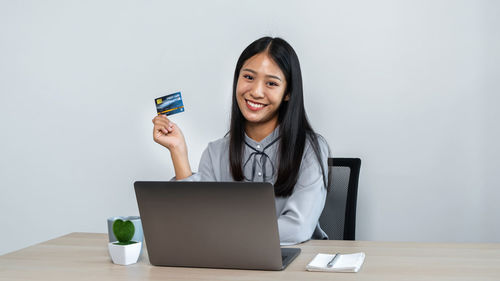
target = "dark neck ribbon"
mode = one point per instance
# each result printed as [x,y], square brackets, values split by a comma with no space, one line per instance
[263,161]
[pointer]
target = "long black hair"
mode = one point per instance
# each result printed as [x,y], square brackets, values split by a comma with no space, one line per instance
[294,126]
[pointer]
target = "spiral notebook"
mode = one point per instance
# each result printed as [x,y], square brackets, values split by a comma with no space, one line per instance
[338,262]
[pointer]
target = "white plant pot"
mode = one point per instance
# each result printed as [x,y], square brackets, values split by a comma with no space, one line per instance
[124,254]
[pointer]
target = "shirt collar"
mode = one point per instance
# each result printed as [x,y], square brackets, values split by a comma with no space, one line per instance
[267,140]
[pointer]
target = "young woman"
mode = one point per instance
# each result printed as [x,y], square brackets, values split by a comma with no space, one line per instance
[269,140]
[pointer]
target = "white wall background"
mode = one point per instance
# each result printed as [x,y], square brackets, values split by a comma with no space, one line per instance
[411,87]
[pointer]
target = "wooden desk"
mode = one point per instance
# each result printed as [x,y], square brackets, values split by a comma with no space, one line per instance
[84,256]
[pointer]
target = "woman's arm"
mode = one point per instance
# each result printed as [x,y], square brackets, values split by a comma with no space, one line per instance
[205,169]
[181,164]
[170,136]
[300,214]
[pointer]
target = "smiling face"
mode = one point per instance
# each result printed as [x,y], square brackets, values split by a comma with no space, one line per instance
[260,91]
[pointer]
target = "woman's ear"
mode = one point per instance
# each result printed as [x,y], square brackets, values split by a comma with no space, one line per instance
[287,97]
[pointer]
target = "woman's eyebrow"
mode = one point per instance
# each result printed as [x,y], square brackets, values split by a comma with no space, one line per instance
[255,72]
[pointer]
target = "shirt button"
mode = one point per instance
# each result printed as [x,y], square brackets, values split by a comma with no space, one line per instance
[258,146]
[260,174]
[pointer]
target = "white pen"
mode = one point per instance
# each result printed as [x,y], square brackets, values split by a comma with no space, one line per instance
[332,261]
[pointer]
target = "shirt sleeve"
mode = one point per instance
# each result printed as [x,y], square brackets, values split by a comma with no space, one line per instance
[303,208]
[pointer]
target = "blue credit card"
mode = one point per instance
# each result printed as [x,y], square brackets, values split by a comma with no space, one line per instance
[169,104]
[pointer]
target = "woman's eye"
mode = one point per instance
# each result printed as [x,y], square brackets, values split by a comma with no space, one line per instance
[272,84]
[249,77]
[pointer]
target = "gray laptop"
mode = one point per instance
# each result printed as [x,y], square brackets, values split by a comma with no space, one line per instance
[211,224]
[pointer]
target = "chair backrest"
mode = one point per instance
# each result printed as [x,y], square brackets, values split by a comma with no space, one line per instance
[338,219]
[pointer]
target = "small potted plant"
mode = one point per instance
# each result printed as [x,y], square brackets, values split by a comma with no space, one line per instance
[124,251]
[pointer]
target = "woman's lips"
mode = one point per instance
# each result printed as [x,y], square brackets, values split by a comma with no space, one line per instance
[254,106]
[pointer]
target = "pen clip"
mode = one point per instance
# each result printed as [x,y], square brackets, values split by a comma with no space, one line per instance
[332,261]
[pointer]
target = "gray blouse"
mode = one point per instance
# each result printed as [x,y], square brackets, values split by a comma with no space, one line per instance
[297,214]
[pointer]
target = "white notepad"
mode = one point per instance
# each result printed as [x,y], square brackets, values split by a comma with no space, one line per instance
[343,263]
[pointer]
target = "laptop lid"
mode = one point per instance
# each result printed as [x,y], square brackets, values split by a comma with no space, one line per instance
[211,224]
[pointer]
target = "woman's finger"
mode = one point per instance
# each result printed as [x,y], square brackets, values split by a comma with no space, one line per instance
[163,125]
[164,130]
[160,122]
[164,117]
[161,117]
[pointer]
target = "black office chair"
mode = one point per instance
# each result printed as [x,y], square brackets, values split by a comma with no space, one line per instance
[338,219]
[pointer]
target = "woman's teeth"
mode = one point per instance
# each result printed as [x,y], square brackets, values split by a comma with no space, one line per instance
[257,105]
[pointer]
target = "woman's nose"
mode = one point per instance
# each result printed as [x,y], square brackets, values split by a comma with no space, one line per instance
[258,90]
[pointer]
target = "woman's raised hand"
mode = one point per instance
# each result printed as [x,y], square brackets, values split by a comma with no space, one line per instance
[166,133]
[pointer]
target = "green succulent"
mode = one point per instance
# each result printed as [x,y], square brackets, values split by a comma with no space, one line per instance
[124,231]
